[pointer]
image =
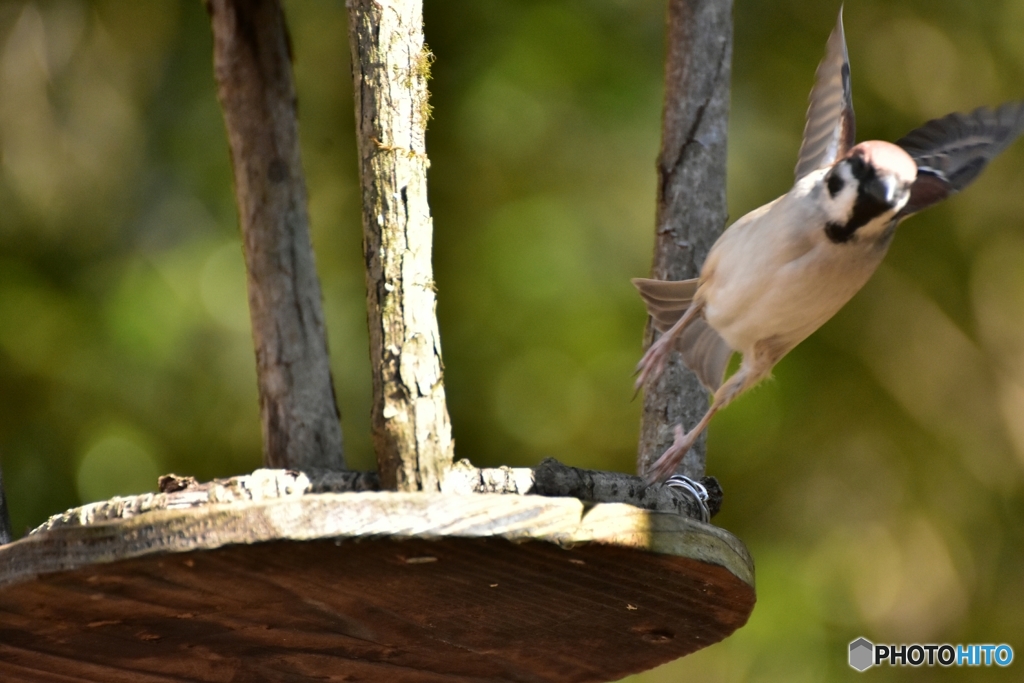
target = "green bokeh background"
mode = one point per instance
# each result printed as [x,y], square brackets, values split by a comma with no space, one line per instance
[877,480]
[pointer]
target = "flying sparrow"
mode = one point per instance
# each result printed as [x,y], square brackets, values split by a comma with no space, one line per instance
[780,272]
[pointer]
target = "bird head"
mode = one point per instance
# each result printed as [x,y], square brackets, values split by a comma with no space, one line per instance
[873,180]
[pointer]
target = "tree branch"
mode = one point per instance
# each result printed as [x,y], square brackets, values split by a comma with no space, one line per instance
[390,67]
[691,209]
[551,479]
[252,65]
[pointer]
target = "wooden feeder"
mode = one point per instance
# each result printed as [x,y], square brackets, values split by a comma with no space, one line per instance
[312,572]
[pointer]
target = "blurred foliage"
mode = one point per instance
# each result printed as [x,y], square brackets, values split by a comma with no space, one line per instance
[877,481]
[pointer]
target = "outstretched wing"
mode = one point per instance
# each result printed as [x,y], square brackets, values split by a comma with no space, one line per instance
[950,152]
[831,129]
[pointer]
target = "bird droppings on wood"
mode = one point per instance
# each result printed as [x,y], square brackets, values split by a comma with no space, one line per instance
[97,624]
[656,636]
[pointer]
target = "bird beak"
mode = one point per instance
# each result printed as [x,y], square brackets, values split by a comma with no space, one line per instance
[882,189]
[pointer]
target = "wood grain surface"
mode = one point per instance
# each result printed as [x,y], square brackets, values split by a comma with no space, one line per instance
[369,587]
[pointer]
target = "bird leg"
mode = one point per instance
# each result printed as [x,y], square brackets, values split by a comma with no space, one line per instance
[670,459]
[653,363]
[754,368]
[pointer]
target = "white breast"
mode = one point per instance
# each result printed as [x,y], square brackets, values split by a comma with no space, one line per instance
[774,273]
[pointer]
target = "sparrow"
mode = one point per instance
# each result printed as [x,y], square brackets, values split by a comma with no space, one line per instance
[781,271]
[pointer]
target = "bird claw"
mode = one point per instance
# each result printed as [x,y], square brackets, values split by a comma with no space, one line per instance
[665,465]
[653,363]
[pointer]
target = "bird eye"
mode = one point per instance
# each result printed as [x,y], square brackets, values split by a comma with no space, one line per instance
[835,184]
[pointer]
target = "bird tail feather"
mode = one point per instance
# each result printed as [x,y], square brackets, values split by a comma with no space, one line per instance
[702,348]
[666,300]
[705,353]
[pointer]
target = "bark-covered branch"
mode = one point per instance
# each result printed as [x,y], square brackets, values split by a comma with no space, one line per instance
[390,67]
[691,210]
[551,479]
[252,65]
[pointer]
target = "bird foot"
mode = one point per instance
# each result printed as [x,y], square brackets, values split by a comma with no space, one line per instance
[664,466]
[653,363]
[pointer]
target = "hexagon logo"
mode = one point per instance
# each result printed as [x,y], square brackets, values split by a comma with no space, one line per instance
[862,654]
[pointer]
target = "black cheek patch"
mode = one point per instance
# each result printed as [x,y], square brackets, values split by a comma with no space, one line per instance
[838,234]
[866,208]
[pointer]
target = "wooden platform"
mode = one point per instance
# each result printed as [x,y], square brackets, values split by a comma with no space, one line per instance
[367,587]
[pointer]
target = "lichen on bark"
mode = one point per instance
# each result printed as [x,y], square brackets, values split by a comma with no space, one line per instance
[390,67]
